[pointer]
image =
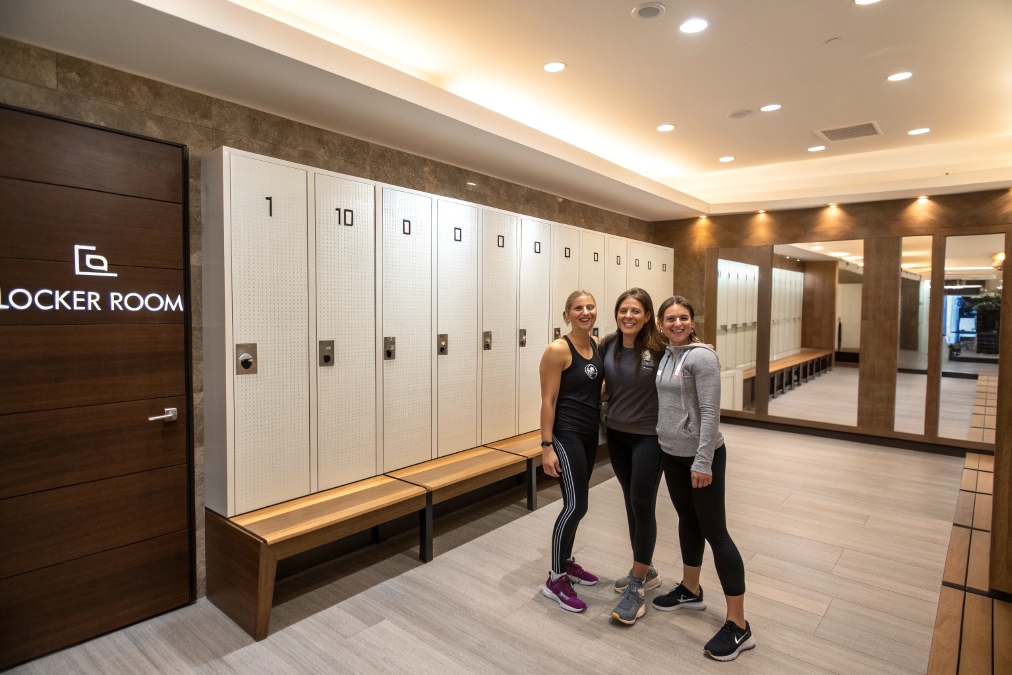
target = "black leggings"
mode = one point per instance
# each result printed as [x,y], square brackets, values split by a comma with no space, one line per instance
[636,459]
[576,453]
[701,516]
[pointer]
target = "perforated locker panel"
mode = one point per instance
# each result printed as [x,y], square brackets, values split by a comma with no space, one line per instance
[499,316]
[565,271]
[667,288]
[616,265]
[270,307]
[533,315]
[457,318]
[592,250]
[637,272]
[407,317]
[345,313]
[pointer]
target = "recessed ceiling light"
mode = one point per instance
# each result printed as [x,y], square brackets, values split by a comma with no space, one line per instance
[727,159]
[762,210]
[899,76]
[839,254]
[648,10]
[817,148]
[923,199]
[831,205]
[555,66]
[865,2]
[666,127]
[771,107]
[470,183]
[693,26]
[817,248]
[918,132]
[702,217]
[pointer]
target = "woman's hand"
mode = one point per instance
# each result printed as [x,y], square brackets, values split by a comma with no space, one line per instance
[699,480]
[550,462]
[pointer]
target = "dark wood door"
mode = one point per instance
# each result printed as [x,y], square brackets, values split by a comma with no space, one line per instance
[96,515]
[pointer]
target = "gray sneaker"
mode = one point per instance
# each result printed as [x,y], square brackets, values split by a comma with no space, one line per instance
[652,582]
[631,605]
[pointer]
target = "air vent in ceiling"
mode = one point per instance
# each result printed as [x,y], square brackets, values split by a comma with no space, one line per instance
[648,10]
[738,114]
[851,132]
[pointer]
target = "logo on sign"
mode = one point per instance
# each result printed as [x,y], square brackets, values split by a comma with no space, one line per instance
[94,265]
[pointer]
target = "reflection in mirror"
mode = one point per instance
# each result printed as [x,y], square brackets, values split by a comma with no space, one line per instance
[737,298]
[970,319]
[815,331]
[912,358]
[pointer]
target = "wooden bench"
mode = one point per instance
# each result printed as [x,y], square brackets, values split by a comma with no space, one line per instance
[527,446]
[456,474]
[243,551]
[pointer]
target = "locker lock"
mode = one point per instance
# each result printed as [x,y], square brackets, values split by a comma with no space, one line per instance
[443,344]
[558,333]
[246,358]
[486,340]
[389,348]
[523,337]
[596,333]
[326,353]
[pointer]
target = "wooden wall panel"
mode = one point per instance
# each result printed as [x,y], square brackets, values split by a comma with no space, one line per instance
[44,222]
[51,367]
[54,448]
[54,526]
[818,307]
[880,306]
[57,606]
[910,300]
[46,150]
[1000,577]
[933,393]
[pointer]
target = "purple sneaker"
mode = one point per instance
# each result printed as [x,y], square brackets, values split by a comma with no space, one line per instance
[578,575]
[562,592]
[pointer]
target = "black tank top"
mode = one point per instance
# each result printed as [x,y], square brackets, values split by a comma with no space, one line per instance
[579,403]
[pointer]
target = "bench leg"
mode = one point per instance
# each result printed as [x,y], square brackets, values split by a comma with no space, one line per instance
[532,485]
[425,530]
[240,574]
[379,534]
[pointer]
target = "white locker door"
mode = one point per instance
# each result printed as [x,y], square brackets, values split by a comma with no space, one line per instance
[270,309]
[732,315]
[741,311]
[499,318]
[615,268]
[753,312]
[722,316]
[637,272]
[565,272]
[667,277]
[533,318]
[592,250]
[653,272]
[457,320]
[407,319]
[345,318]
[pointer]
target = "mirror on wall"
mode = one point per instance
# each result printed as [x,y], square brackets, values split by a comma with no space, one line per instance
[737,305]
[912,355]
[815,331]
[971,312]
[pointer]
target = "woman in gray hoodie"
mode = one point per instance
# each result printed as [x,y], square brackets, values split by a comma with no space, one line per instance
[694,459]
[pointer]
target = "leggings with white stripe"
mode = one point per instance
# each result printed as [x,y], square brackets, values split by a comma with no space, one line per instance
[576,453]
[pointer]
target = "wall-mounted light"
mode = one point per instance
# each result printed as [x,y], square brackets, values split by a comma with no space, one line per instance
[832,206]
[998,261]
[762,210]
[703,217]
[923,199]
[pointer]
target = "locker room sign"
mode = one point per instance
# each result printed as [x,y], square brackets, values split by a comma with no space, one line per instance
[88,264]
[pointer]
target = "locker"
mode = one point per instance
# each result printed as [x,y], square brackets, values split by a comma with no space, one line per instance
[345,318]
[722,356]
[636,276]
[592,250]
[667,289]
[407,349]
[653,286]
[270,309]
[616,266]
[754,312]
[533,317]
[742,344]
[565,271]
[499,318]
[456,327]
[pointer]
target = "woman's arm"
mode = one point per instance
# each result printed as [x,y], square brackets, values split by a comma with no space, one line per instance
[706,374]
[553,362]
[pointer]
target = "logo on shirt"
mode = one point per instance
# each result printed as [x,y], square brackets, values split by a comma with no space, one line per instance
[591,371]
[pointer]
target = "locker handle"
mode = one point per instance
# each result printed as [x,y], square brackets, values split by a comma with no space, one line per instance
[270,207]
[595,257]
[389,348]
[618,260]
[487,340]
[443,344]
[523,337]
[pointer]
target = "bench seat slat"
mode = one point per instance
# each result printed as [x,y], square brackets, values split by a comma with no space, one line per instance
[460,467]
[526,445]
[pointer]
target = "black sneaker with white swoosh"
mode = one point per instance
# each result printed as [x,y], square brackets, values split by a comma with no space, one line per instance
[729,642]
[680,597]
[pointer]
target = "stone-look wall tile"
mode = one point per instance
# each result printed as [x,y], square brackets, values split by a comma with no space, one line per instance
[330,163]
[30,96]
[27,63]
[254,124]
[83,78]
[198,491]
[222,138]
[338,146]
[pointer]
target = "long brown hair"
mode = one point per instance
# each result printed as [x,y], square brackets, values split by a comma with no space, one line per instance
[648,339]
[681,302]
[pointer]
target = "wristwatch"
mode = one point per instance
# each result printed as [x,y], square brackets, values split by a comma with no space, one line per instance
[546,444]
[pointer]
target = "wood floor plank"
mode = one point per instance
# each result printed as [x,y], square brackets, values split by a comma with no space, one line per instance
[1002,636]
[969,482]
[944,657]
[985,483]
[986,463]
[972,458]
[975,647]
[964,509]
[980,556]
[890,626]
[873,644]
[982,512]
[957,557]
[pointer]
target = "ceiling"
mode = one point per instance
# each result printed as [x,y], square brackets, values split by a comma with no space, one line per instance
[463,82]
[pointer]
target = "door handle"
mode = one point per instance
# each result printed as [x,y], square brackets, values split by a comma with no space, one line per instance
[170,416]
[487,340]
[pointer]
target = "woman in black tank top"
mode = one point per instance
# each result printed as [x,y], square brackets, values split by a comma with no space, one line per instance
[572,373]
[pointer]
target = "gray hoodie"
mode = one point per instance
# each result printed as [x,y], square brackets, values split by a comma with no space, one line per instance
[688,393]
